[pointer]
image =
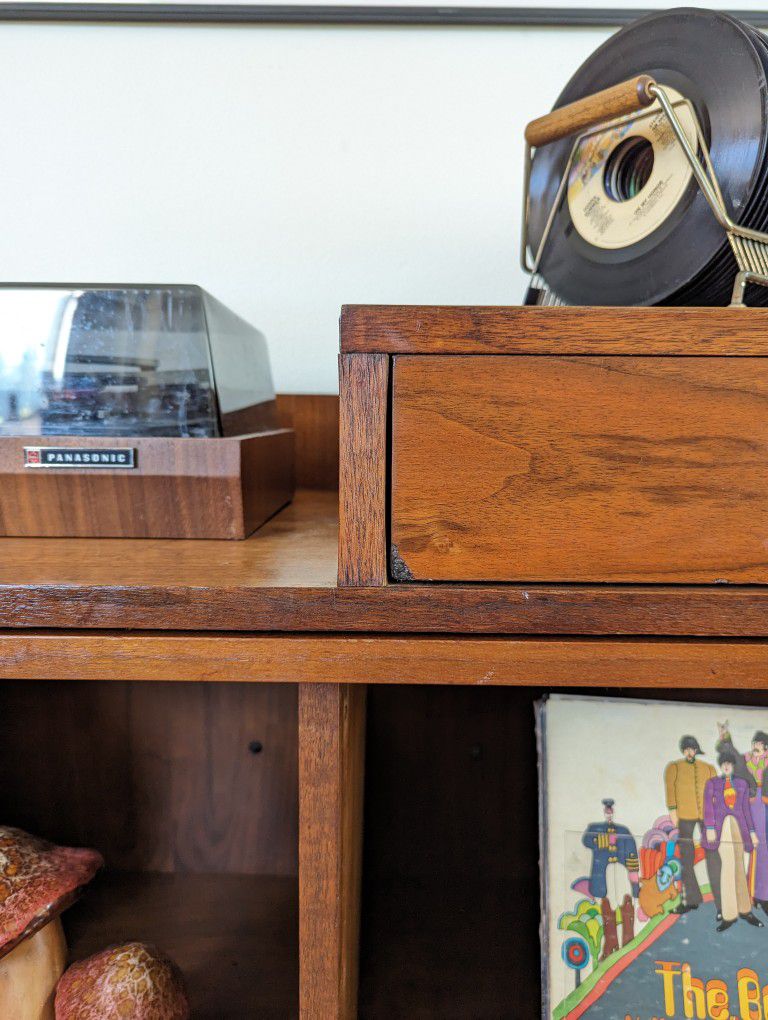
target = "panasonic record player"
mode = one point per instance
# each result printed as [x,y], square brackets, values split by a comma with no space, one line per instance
[135,411]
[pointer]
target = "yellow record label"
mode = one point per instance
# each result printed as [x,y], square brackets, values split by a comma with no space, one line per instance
[626,181]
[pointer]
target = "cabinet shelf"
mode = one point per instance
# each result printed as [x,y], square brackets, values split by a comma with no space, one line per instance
[234,936]
[283,578]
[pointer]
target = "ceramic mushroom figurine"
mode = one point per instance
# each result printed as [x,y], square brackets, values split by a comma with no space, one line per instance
[128,981]
[37,882]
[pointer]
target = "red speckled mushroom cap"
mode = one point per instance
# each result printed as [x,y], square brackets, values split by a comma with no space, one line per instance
[130,980]
[37,881]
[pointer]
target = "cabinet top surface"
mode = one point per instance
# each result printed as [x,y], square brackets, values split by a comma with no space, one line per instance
[569,330]
[296,549]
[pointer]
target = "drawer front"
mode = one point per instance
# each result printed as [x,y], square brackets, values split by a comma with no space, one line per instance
[546,468]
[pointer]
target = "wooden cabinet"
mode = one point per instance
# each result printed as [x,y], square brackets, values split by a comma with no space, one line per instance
[394,715]
[514,469]
[555,445]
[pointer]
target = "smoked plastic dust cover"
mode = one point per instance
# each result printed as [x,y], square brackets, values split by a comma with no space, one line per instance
[154,360]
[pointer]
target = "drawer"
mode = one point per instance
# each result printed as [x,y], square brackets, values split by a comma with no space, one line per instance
[545,468]
[561,445]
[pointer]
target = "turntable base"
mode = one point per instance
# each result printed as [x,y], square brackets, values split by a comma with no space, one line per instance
[143,487]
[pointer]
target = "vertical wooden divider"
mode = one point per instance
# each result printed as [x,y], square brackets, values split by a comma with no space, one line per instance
[363,391]
[332,716]
[331,768]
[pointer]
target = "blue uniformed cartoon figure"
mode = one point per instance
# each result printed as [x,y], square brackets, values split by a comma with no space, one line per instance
[613,846]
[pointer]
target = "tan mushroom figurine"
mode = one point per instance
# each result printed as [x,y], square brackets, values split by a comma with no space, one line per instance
[37,882]
[132,980]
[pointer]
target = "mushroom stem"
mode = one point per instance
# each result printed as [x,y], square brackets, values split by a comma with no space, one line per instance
[29,973]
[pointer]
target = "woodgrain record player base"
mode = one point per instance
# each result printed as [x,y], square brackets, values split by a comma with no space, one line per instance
[221,488]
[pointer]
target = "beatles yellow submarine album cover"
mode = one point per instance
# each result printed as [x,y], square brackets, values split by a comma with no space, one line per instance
[654,859]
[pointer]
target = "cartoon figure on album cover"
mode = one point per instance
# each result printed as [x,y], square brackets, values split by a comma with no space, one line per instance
[655,860]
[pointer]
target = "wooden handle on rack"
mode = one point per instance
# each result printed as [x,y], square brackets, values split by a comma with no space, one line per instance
[619,99]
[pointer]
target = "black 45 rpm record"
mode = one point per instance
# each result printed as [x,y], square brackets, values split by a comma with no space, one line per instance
[633,227]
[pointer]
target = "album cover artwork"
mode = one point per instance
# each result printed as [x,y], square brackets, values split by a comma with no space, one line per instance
[654,859]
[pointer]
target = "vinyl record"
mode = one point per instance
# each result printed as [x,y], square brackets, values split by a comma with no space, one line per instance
[634,228]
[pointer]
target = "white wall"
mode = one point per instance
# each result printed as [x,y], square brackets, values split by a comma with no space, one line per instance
[287,170]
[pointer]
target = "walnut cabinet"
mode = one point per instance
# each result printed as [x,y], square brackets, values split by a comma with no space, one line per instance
[308,757]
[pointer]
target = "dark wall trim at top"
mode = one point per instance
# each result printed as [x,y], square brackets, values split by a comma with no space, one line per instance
[297,14]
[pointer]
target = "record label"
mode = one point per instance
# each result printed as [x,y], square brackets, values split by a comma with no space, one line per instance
[626,181]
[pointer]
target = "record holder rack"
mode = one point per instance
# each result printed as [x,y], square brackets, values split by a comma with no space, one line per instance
[610,108]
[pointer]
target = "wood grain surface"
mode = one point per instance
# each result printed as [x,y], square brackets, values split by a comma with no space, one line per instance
[519,329]
[363,385]
[180,488]
[234,936]
[626,97]
[296,548]
[158,777]
[566,662]
[283,579]
[314,417]
[581,469]
[331,764]
[450,878]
